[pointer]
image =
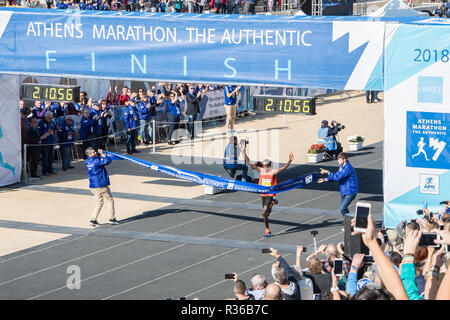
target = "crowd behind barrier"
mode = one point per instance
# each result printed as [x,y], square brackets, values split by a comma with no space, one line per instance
[148,114]
[166,6]
[399,267]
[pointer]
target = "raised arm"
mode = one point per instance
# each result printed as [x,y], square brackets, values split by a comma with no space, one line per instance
[291,157]
[388,274]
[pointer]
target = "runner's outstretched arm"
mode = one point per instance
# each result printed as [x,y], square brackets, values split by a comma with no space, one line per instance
[291,157]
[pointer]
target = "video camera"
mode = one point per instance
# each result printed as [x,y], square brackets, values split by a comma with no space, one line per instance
[244,142]
[340,126]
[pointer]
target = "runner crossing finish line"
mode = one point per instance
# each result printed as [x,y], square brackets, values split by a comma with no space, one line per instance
[219,182]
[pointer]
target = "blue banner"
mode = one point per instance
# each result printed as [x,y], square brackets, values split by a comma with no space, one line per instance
[427,140]
[219,182]
[256,50]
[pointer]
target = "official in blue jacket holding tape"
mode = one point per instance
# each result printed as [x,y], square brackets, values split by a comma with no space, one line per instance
[99,183]
[348,181]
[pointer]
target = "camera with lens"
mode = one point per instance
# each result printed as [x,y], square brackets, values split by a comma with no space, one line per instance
[244,142]
[340,126]
[314,232]
[427,216]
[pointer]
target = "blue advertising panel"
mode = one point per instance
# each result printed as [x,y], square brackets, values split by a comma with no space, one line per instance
[235,49]
[428,140]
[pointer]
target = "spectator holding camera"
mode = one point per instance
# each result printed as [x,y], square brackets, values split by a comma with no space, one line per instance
[327,137]
[284,277]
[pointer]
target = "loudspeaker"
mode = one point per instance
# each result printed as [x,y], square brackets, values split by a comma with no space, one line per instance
[352,244]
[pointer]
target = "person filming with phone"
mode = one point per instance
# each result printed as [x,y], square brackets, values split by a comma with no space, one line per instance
[348,181]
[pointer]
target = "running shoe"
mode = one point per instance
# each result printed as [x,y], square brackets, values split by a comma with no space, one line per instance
[113,221]
[94,223]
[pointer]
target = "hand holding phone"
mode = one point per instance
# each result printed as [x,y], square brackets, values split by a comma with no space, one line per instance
[229,276]
[427,240]
[361,214]
[266,250]
[337,267]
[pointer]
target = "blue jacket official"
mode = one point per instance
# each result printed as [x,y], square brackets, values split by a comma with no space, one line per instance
[98,176]
[346,176]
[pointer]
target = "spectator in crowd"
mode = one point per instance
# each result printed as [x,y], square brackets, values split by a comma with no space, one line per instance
[39,110]
[96,115]
[192,108]
[82,5]
[348,181]
[174,116]
[201,6]
[47,131]
[106,115]
[249,7]
[154,102]
[84,97]
[273,292]
[178,5]
[34,150]
[231,94]
[56,108]
[259,285]
[86,131]
[104,6]
[240,290]
[320,279]
[66,133]
[124,97]
[284,277]
[141,6]
[131,123]
[233,6]
[331,252]
[145,112]
[305,284]
[99,184]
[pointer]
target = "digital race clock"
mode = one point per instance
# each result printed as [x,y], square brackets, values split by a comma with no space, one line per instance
[35,91]
[283,104]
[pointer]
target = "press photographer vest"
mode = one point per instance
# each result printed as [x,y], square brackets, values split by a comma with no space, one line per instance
[327,141]
[267,179]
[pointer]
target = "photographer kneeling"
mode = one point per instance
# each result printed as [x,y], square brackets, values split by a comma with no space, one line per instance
[326,136]
[230,160]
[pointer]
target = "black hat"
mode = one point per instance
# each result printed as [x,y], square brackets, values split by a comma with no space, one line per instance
[324,122]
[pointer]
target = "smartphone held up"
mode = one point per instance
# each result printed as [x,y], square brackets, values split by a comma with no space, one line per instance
[361,214]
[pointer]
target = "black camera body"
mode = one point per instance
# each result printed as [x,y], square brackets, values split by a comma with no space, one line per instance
[444,202]
[243,141]
[314,232]
[340,126]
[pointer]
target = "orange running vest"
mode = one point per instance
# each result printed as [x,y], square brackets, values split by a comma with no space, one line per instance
[267,179]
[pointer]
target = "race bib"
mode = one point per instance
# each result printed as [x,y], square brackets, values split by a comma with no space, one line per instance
[266,182]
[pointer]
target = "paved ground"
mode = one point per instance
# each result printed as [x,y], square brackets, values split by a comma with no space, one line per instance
[200,241]
[175,241]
